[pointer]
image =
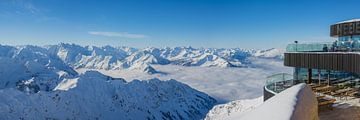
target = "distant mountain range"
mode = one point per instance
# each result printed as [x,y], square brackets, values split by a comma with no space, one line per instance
[115,58]
[54,62]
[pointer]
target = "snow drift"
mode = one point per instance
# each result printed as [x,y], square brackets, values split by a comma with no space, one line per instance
[295,103]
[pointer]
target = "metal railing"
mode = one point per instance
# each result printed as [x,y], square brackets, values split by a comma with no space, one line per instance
[279,82]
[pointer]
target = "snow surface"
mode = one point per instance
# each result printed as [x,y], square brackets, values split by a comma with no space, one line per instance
[40,82]
[270,53]
[35,83]
[67,84]
[238,107]
[22,64]
[295,103]
[100,97]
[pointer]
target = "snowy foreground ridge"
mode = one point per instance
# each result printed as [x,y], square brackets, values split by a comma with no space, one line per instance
[35,84]
[238,107]
[100,97]
[295,103]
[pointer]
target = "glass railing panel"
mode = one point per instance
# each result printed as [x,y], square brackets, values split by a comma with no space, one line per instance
[278,78]
[279,82]
[309,47]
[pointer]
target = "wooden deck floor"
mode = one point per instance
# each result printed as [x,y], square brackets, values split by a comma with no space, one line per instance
[341,112]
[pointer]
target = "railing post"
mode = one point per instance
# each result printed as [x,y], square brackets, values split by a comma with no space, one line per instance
[328,77]
[319,72]
[309,76]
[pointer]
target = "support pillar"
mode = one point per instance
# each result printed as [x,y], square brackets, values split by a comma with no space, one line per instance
[328,77]
[319,76]
[309,76]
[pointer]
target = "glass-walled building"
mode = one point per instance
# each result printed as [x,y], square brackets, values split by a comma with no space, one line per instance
[348,34]
[334,63]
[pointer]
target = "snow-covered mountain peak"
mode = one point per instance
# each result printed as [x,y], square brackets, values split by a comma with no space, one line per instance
[270,53]
[100,98]
[144,67]
[33,63]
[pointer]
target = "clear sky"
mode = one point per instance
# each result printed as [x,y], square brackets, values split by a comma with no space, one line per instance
[160,23]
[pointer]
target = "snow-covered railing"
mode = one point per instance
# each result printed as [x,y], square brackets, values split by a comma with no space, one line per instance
[295,103]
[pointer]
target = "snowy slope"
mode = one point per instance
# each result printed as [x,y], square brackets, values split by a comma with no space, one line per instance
[224,111]
[96,96]
[36,83]
[208,60]
[296,103]
[30,69]
[270,53]
[144,67]
[90,56]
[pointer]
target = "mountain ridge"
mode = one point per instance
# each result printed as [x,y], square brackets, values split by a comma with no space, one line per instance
[115,58]
[36,83]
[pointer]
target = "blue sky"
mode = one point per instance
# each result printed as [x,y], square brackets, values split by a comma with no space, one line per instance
[160,23]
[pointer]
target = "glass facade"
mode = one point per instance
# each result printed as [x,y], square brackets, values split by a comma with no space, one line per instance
[328,77]
[309,47]
[344,43]
[348,43]
[279,82]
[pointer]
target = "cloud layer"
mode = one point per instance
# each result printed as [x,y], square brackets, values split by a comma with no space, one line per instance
[117,34]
